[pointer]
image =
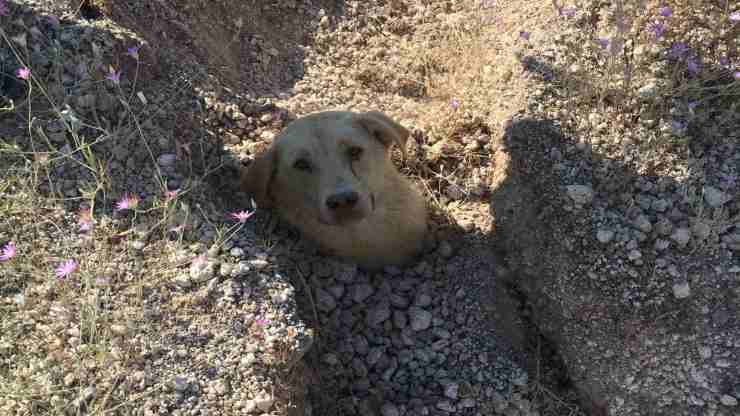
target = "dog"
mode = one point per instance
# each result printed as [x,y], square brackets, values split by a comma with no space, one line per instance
[331,176]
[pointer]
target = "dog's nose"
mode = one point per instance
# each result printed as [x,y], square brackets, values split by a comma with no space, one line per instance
[346,199]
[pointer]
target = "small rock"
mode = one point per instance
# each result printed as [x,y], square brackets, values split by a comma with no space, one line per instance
[258,264]
[714,197]
[580,194]
[325,301]
[634,256]
[604,236]
[681,236]
[701,230]
[422,300]
[389,409]
[728,400]
[452,390]
[167,159]
[180,384]
[420,319]
[642,223]
[446,406]
[648,90]
[681,290]
[705,352]
[399,319]
[361,291]
[264,402]
[378,314]
[445,249]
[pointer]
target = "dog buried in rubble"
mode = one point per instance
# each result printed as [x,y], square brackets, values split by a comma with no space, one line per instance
[330,175]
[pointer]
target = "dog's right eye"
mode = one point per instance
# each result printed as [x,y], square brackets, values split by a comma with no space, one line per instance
[302,164]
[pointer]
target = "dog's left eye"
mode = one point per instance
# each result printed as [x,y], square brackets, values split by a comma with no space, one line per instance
[355,153]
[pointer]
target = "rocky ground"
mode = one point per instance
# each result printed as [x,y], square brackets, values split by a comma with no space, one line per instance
[585,250]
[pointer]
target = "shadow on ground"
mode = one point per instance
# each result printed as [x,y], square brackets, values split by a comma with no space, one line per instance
[607,304]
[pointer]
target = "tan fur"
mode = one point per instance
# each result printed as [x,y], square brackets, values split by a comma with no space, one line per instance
[310,162]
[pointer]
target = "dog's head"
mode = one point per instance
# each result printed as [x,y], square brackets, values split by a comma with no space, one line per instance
[331,166]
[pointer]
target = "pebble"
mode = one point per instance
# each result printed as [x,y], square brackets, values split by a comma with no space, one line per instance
[325,301]
[445,249]
[389,409]
[361,291]
[451,390]
[714,197]
[420,319]
[681,236]
[580,194]
[604,236]
[648,90]
[378,314]
[728,400]
[681,290]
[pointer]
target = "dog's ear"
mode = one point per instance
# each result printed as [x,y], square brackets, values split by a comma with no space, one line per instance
[257,177]
[384,129]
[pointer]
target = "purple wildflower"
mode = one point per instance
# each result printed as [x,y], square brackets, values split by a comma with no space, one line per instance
[736,75]
[666,11]
[455,103]
[4,10]
[241,216]
[113,75]
[658,29]
[693,66]
[133,52]
[678,50]
[8,252]
[127,202]
[262,322]
[692,105]
[23,73]
[603,42]
[568,12]
[65,269]
[524,35]
[727,181]
[735,17]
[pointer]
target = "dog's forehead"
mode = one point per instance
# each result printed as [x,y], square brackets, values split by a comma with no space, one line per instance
[322,131]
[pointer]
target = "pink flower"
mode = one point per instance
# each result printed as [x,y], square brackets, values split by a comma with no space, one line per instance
[524,35]
[133,52]
[8,252]
[85,220]
[127,202]
[262,322]
[455,103]
[65,269]
[170,195]
[241,216]
[113,75]
[23,73]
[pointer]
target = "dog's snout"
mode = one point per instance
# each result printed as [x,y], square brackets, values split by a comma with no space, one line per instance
[346,199]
